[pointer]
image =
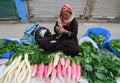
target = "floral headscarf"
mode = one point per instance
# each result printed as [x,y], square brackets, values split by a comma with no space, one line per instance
[63,22]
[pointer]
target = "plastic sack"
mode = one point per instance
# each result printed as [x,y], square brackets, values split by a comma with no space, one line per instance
[88,39]
[112,49]
[99,31]
[29,34]
[8,54]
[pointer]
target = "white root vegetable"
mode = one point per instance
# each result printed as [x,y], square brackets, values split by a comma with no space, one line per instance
[24,76]
[8,68]
[56,60]
[19,69]
[28,80]
[1,80]
[24,73]
[11,76]
[14,67]
[27,62]
[5,80]
[21,74]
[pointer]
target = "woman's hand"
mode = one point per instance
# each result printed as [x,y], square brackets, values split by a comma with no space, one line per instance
[63,31]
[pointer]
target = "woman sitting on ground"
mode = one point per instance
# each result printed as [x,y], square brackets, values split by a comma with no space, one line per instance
[65,37]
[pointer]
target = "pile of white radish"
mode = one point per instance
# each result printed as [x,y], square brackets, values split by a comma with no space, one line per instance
[60,68]
[17,72]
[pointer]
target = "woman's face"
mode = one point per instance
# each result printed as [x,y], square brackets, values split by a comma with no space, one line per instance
[65,14]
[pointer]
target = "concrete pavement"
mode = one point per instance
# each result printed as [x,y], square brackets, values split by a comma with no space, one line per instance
[16,30]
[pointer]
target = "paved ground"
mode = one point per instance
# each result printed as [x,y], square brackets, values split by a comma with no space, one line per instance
[16,30]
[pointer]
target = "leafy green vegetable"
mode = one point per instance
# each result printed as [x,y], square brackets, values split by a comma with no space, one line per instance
[97,66]
[115,44]
[36,56]
[99,39]
[2,43]
[7,46]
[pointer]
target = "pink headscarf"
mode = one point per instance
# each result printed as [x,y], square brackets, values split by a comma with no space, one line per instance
[63,22]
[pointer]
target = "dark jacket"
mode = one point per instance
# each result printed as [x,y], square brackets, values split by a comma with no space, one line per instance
[67,43]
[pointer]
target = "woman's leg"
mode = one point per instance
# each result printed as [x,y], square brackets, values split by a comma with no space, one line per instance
[69,47]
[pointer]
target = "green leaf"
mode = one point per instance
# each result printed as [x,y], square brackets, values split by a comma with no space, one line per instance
[100,76]
[88,67]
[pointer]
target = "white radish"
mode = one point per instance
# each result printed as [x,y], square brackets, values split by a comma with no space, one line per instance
[28,80]
[24,68]
[27,62]
[62,61]
[56,60]
[8,68]
[11,76]
[15,66]
[24,75]
[19,69]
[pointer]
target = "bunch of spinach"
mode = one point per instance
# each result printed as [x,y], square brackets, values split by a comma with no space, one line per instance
[115,44]
[98,67]
[7,46]
[99,39]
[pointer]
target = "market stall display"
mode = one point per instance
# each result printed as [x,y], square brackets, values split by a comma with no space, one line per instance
[28,63]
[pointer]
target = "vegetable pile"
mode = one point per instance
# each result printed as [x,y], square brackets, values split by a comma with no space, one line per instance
[99,39]
[29,61]
[115,44]
[19,69]
[40,65]
[98,67]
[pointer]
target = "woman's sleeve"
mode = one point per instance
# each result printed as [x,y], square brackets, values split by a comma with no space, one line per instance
[74,29]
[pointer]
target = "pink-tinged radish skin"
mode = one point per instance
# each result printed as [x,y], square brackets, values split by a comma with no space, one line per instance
[56,60]
[45,74]
[50,68]
[59,72]
[69,73]
[34,70]
[53,75]
[64,73]
[74,71]
[40,71]
[78,74]
[62,61]
[67,63]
